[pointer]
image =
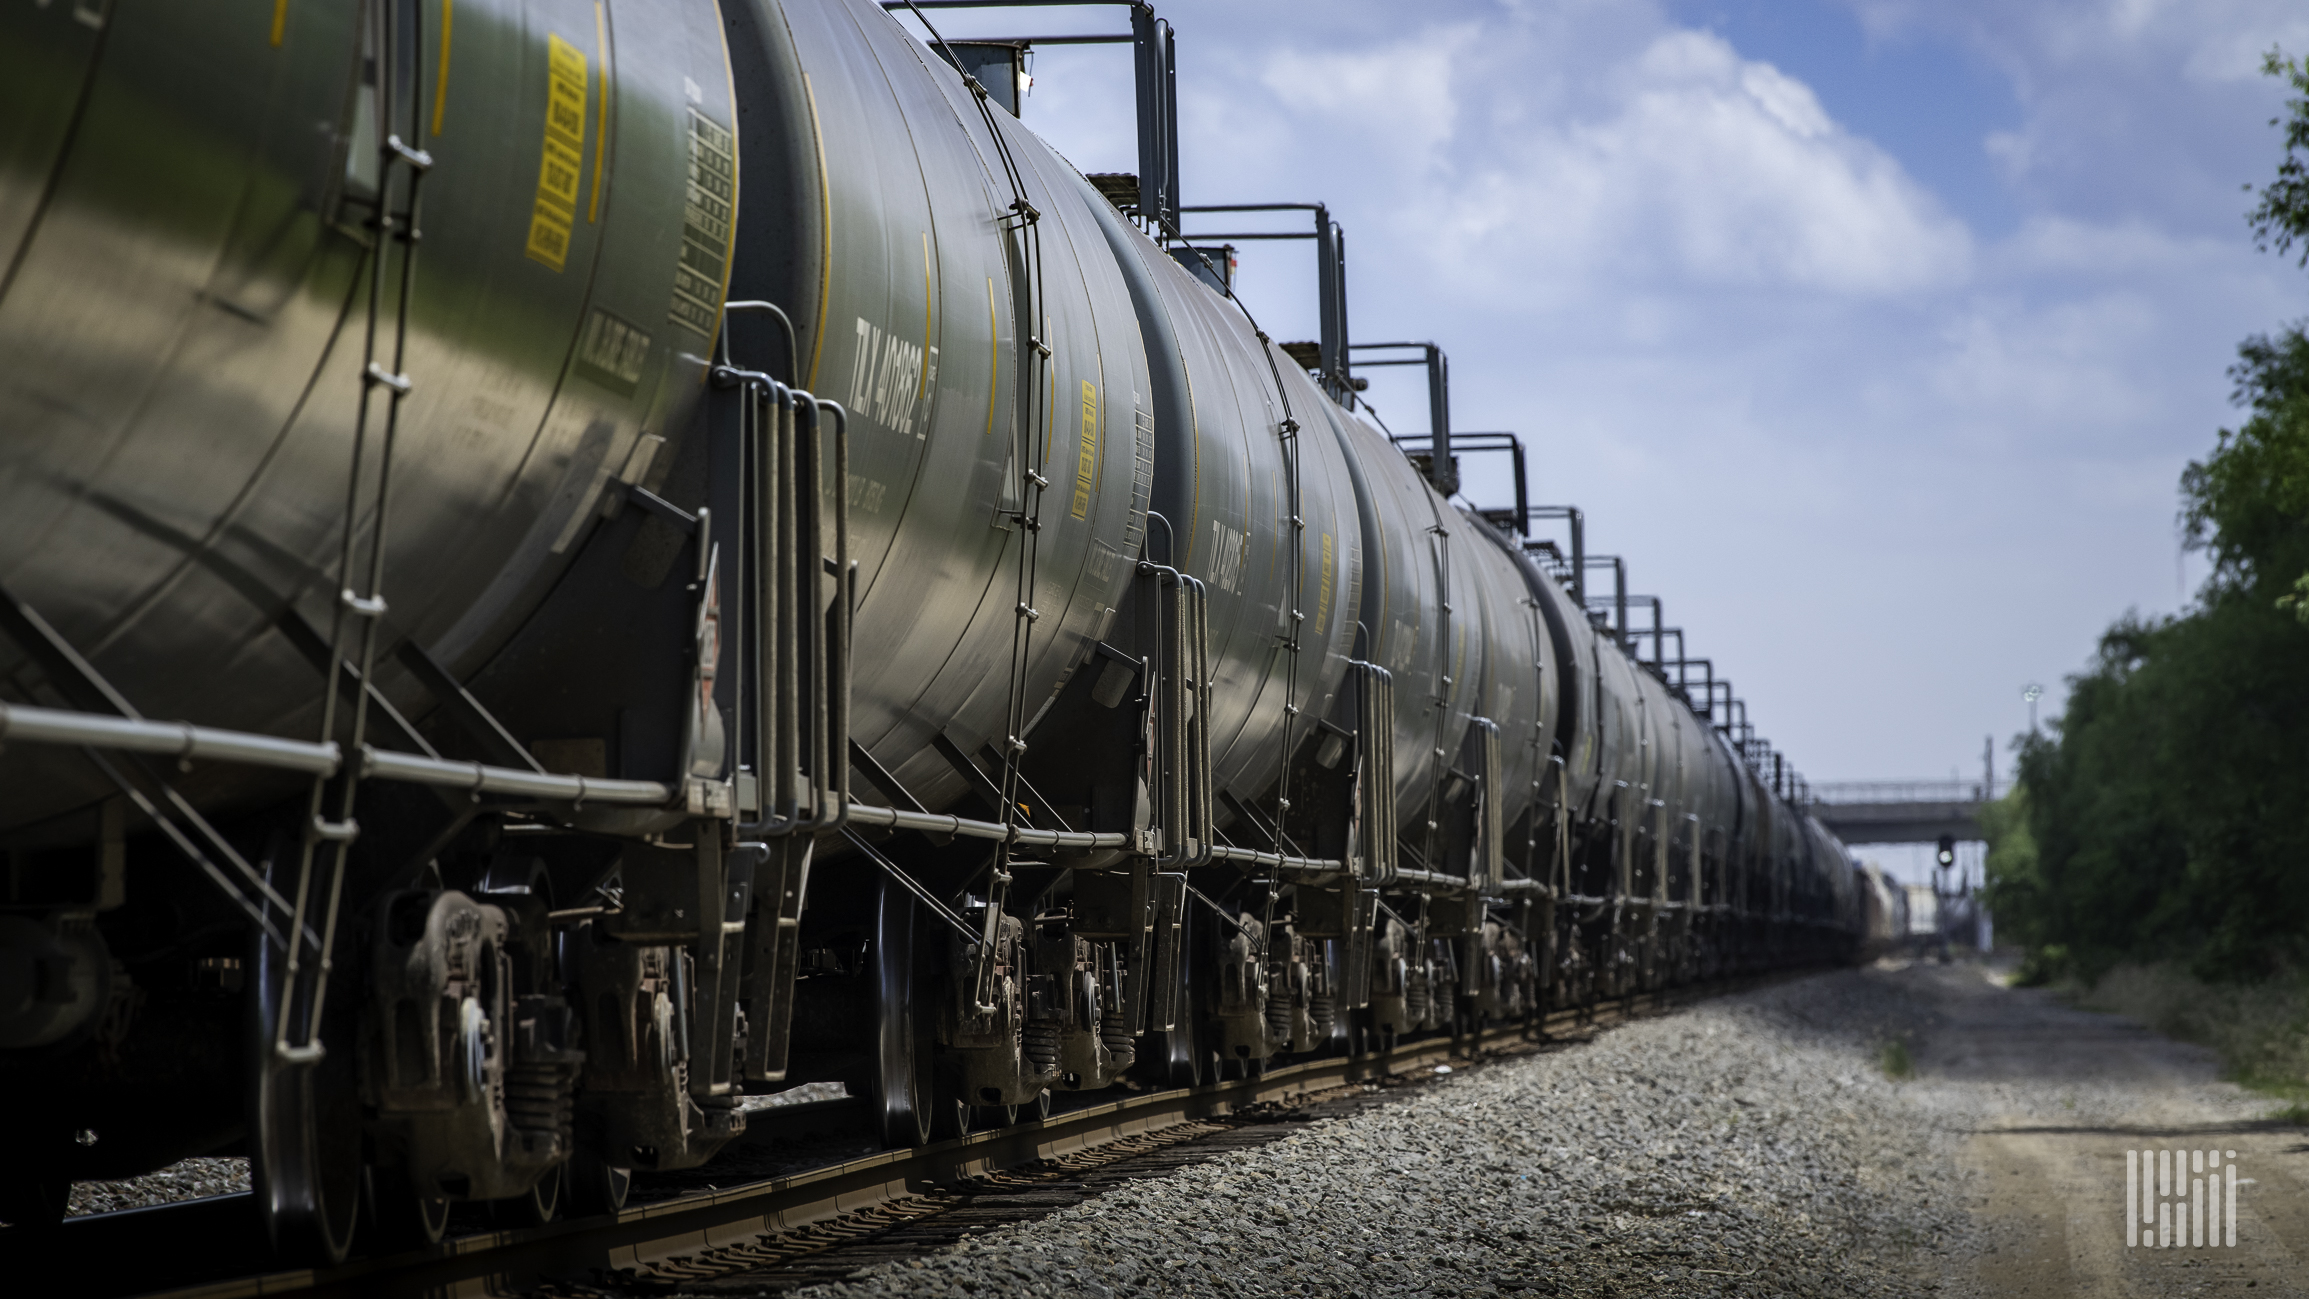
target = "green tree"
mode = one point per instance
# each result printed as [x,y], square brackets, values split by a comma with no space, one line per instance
[2167,812]
[2282,218]
[2247,504]
[2015,890]
[2165,809]
[2279,220]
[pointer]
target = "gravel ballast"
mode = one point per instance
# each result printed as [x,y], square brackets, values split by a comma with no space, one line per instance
[188,1179]
[1746,1145]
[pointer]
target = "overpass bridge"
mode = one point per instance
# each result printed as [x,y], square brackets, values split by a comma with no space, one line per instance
[1903,811]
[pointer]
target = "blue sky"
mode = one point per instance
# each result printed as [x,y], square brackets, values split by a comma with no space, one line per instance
[1874,333]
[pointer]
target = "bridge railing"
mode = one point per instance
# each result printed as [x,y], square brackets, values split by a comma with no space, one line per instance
[1907,791]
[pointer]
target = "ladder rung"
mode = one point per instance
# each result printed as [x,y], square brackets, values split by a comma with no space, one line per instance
[379,374]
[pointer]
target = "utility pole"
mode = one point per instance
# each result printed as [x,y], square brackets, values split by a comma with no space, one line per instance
[1987,768]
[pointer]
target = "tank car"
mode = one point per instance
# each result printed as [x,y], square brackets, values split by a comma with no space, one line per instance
[563,564]
[1884,913]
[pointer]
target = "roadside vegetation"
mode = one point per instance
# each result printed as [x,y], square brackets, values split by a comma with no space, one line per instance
[2155,853]
[1893,1058]
[2260,1030]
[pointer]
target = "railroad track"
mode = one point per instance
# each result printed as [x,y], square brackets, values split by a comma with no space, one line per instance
[815,1224]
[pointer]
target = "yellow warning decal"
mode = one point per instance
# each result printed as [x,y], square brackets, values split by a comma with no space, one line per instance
[1086,465]
[993,356]
[601,106]
[1323,591]
[441,72]
[564,161]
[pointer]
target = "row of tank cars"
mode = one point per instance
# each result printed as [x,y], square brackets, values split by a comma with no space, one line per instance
[1886,918]
[566,563]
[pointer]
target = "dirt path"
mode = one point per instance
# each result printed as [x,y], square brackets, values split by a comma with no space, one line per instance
[2053,1098]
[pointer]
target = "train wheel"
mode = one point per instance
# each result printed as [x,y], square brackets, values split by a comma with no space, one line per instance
[1167,1057]
[34,1191]
[305,1119]
[1206,1047]
[901,1081]
[594,1186]
[542,1204]
[30,1201]
[956,1117]
[402,1216]
[306,1163]
[1180,1064]
[1010,1116]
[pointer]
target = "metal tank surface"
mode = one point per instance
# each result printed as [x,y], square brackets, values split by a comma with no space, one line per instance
[1259,508]
[1579,710]
[1409,601]
[916,313]
[191,302]
[564,563]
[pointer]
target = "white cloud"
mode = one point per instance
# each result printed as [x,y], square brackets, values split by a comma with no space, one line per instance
[1528,159]
[2131,17]
[1697,166]
[1395,100]
[2052,243]
[2012,152]
[2035,373]
[1790,103]
[2235,55]
[2094,30]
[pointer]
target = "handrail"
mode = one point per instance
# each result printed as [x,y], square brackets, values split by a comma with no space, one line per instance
[30,724]
[1277,861]
[481,778]
[966,828]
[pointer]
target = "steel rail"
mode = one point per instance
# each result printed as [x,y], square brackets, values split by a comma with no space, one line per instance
[645,1234]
